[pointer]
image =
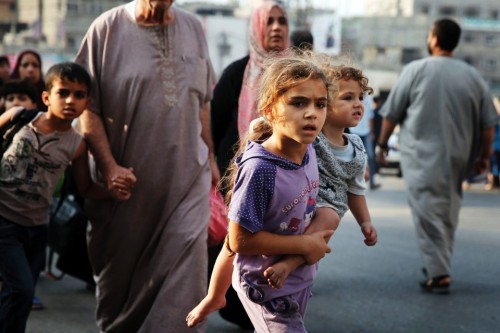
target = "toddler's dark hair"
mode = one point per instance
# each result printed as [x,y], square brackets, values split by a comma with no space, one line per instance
[16,86]
[69,71]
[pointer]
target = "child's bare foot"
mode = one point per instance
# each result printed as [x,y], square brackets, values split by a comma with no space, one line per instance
[202,310]
[277,274]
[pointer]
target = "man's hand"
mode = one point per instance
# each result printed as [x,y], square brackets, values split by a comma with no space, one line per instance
[381,154]
[116,173]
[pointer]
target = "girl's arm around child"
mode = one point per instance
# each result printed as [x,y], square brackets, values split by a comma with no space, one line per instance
[312,246]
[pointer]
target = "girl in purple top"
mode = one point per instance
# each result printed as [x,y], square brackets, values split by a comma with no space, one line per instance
[273,186]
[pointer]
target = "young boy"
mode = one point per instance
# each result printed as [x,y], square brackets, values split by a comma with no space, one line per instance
[18,93]
[30,168]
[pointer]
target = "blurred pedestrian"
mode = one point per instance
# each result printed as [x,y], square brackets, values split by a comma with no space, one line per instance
[494,175]
[446,118]
[29,67]
[4,69]
[4,76]
[377,119]
[234,106]
[365,131]
[302,39]
[150,64]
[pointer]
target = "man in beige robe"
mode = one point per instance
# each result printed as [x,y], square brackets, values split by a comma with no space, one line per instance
[149,119]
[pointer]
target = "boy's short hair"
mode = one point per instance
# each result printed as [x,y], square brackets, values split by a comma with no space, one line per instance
[69,71]
[16,86]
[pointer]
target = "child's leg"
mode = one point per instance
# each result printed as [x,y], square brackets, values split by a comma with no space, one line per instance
[36,255]
[325,219]
[220,281]
[18,287]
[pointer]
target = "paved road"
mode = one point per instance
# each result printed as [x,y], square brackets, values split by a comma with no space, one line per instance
[361,289]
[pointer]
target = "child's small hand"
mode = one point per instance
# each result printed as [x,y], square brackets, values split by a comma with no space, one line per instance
[370,233]
[122,187]
[120,182]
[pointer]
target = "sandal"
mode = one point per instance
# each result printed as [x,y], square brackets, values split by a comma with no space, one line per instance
[37,304]
[437,285]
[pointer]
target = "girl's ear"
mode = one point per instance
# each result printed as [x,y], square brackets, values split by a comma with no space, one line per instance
[45,98]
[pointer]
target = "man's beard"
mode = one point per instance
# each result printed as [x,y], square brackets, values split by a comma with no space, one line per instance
[159,9]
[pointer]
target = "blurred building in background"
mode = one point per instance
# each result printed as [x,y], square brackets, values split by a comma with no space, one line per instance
[385,37]
[394,32]
[53,25]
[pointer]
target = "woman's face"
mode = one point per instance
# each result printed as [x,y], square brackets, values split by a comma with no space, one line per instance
[276,32]
[30,68]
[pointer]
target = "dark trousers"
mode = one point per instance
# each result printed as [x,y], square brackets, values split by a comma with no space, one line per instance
[22,258]
[370,152]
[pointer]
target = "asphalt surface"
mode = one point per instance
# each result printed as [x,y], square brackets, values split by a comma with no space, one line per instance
[360,289]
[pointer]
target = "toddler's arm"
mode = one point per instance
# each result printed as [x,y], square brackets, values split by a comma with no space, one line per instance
[359,208]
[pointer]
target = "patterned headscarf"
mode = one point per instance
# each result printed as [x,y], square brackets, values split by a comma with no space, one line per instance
[247,102]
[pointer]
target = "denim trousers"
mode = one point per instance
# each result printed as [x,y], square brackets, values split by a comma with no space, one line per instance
[22,258]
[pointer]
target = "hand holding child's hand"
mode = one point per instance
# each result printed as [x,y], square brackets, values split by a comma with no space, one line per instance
[370,233]
[318,246]
[121,185]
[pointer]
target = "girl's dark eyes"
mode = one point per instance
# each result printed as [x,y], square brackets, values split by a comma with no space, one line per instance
[320,105]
